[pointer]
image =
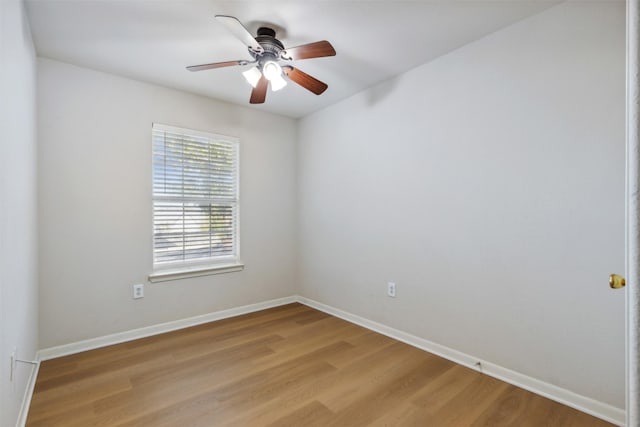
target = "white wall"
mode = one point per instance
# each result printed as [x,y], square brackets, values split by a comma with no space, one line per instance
[18,253]
[489,185]
[95,204]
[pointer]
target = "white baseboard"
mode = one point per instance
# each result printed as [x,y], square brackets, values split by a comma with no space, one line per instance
[590,406]
[120,337]
[28,394]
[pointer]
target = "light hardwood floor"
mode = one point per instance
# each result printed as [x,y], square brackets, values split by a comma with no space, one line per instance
[286,366]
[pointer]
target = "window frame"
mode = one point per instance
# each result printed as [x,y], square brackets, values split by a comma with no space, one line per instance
[181,269]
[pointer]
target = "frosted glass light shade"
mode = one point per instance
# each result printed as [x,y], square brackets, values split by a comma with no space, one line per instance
[271,70]
[277,83]
[252,75]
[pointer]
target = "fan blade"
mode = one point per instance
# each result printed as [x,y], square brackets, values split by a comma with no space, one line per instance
[237,29]
[259,93]
[305,80]
[215,65]
[310,50]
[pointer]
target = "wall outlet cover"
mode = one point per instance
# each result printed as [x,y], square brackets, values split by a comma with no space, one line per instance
[13,358]
[391,289]
[138,291]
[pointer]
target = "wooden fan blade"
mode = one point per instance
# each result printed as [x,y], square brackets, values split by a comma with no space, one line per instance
[305,80]
[236,28]
[310,50]
[259,93]
[215,65]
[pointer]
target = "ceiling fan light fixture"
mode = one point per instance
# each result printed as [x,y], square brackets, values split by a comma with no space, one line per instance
[273,72]
[252,75]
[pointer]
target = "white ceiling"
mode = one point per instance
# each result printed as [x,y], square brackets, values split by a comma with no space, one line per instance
[154,40]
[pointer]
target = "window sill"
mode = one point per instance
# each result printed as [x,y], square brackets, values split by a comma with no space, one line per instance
[184,273]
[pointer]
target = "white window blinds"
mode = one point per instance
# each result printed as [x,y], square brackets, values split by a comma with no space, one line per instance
[195,197]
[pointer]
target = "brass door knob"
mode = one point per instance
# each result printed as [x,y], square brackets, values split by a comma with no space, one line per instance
[616,282]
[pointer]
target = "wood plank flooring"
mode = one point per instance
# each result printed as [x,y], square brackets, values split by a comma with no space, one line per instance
[286,366]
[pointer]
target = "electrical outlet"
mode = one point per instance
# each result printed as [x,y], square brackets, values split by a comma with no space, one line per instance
[391,289]
[14,358]
[138,291]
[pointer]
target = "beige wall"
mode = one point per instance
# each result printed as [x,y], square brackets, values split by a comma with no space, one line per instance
[95,204]
[18,221]
[489,185]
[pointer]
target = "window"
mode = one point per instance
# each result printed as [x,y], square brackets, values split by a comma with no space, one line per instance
[195,201]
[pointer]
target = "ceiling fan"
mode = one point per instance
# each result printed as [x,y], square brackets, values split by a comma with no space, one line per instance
[267,53]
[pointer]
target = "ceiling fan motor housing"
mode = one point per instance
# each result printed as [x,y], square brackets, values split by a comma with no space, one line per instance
[272,46]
